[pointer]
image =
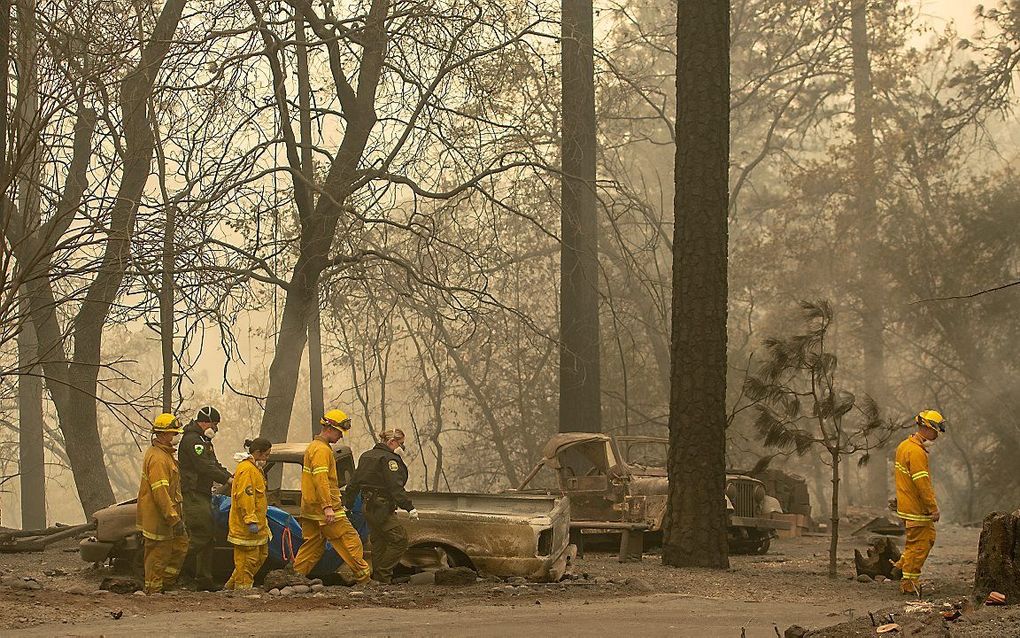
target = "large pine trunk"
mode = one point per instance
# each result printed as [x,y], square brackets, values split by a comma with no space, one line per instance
[580,388]
[868,253]
[695,531]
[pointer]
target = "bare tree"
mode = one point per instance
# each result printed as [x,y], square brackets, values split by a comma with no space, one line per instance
[73,380]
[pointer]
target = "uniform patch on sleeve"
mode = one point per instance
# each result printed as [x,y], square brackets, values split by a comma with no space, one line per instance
[249,491]
[393,466]
[199,448]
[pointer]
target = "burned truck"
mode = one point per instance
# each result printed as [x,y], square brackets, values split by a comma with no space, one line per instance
[504,535]
[619,484]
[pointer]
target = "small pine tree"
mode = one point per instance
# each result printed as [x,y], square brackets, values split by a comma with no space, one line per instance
[801,408]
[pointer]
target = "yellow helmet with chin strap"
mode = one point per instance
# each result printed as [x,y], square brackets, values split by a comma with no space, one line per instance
[336,419]
[166,422]
[932,419]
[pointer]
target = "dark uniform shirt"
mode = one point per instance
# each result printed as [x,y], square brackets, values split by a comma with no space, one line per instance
[381,471]
[197,459]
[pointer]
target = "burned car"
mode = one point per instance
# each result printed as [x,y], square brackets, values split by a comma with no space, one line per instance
[504,535]
[619,483]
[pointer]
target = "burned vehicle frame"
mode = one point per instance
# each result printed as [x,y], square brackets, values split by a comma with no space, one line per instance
[619,484]
[504,535]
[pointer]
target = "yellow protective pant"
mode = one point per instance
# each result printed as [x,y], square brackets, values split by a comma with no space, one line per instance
[344,539]
[920,540]
[248,560]
[163,560]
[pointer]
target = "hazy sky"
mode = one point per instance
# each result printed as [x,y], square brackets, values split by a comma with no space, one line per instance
[960,11]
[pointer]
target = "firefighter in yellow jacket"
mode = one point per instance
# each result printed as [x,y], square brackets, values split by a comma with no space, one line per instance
[159,507]
[322,515]
[248,529]
[915,498]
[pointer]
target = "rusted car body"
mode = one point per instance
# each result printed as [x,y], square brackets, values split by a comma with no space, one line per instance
[504,535]
[500,534]
[622,480]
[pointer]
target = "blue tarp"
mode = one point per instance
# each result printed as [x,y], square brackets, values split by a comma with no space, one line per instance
[279,520]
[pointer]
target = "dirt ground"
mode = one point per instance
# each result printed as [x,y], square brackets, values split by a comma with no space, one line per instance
[759,596]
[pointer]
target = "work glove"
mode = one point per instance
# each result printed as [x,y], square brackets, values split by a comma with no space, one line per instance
[253,528]
[180,529]
[413,514]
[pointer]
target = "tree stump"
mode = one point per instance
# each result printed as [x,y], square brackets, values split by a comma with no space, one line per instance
[998,562]
[882,553]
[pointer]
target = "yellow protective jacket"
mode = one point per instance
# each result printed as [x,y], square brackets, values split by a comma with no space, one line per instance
[159,495]
[915,496]
[319,486]
[248,505]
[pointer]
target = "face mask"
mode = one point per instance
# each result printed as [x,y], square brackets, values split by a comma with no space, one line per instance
[261,464]
[174,441]
[399,451]
[336,445]
[209,433]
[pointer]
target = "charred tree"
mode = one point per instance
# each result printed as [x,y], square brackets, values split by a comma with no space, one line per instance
[695,531]
[580,391]
[868,254]
[31,457]
[998,563]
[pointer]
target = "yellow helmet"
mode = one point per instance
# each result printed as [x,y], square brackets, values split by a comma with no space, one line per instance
[336,419]
[167,423]
[932,419]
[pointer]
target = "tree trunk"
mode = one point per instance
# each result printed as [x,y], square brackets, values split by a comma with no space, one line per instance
[166,308]
[580,386]
[316,390]
[834,515]
[695,531]
[868,252]
[998,563]
[286,366]
[31,457]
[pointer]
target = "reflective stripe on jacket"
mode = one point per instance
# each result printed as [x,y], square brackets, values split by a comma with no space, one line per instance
[248,505]
[159,494]
[915,496]
[319,486]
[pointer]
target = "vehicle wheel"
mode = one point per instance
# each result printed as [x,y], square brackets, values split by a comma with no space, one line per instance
[763,548]
[424,557]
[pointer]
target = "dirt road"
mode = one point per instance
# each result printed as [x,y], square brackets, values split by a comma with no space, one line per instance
[758,594]
[657,615]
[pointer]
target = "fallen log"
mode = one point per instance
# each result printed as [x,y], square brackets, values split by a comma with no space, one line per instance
[21,542]
[998,562]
